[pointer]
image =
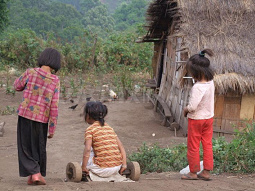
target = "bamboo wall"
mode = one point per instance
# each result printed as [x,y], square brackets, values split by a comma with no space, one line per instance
[170,91]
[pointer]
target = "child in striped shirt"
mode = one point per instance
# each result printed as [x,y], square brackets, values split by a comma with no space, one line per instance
[104,154]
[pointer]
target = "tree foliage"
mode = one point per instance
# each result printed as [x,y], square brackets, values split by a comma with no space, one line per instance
[130,14]
[20,48]
[82,30]
[3,14]
[68,18]
[44,16]
[96,17]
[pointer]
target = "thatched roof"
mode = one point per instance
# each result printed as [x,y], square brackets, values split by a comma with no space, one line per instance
[227,27]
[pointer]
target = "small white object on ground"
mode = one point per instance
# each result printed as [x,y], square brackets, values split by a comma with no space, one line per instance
[105,88]
[137,88]
[12,71]
[186,169]
[153,134]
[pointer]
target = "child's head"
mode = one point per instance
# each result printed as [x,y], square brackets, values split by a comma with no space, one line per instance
[199,66]
[95,111]
[50,57]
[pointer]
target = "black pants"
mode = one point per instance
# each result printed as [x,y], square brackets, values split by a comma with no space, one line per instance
[32,138]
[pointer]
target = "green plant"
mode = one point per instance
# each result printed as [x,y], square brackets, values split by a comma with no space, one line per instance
[156,159]
[234,157]
[8,110]
[238,155]
[63,91]
[74,88]
[10,90]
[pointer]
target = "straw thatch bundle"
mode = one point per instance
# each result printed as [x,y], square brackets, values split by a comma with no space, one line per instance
[227,27]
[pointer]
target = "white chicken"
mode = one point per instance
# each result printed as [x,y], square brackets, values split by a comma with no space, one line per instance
[113,95]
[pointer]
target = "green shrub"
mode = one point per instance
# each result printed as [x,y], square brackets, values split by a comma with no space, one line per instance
[237,156]
[9,110]
[156,159]
[20,48]
[234,157]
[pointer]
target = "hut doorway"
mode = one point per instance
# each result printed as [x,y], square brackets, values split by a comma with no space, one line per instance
[161,64]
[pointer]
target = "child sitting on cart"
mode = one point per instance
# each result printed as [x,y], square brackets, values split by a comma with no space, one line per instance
[104,154]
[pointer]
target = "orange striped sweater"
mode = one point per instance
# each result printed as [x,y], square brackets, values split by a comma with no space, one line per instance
[104,143]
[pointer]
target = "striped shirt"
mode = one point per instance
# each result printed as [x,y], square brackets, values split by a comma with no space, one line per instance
[40,96]
[104,144]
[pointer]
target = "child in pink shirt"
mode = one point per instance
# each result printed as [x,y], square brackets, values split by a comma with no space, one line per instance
[200,112]
[37,114]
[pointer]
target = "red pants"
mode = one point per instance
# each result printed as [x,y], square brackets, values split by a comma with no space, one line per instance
[200,131]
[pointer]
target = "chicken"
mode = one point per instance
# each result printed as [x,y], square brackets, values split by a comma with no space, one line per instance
[73,107]
[113,95]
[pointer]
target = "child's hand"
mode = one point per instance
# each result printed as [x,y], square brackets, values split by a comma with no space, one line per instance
[50,136]
[185,112]
[122,169]
[84,169]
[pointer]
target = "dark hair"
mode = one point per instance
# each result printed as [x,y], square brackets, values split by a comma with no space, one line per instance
[199,66]
[50,57]
[96,110]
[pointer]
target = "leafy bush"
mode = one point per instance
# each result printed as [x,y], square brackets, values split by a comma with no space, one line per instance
[156,159]
[234,157]
[120,49]
[21,47]
[237,156]
[8,110]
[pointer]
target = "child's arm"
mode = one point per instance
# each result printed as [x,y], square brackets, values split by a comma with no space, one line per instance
[124,157]
[86,155]
[185,111]
[20,83]
[54,111]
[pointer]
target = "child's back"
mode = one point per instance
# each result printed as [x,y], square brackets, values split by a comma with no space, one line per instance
[104,144]
[201,101]
[40,96]
[104,154]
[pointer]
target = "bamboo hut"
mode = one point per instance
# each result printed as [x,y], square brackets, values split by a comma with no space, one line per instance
[180,28]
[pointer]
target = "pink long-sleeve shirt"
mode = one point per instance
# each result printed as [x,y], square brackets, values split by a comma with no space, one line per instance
[40,96]
[201,102]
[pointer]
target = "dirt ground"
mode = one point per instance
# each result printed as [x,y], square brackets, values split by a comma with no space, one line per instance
[134,121]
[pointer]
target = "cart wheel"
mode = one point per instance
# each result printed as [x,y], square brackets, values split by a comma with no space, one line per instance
[134,169]
[73,172]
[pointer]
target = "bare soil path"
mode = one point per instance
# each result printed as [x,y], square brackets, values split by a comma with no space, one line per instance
[134,122]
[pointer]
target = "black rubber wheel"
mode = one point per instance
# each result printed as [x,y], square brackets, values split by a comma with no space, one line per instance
[134,169]
[73,172]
